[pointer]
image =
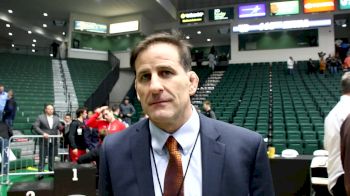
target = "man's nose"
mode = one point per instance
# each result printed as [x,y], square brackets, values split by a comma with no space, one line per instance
[156,84]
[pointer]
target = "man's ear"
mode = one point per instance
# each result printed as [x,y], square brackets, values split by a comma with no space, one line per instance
[194,80]
[137,94]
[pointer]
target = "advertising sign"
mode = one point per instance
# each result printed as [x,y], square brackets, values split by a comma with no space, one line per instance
[252,10]
[344,4]
[191,17]
[284,8]
[221,14]
[90,27]
[311,6]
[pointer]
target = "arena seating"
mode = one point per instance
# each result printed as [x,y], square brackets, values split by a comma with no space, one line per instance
[31,79]
[86,76]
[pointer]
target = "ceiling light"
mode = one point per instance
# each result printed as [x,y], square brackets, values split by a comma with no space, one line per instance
[34,40]
[45,14]
[199,32]
[51,55]
[33,50]
[44,25]
[29,32]
[33,45]
[63,33]
[10,11]
[13,45]
[8,25]
[208,39]
[10,34]
[344,25]
[187,37]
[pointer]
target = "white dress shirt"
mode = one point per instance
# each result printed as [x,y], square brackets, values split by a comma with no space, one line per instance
[186,137]
[332,125]
[50,120]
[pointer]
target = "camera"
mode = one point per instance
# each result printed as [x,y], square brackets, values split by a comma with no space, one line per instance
[321,54]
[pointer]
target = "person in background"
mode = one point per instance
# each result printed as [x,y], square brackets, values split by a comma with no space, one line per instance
[332,124]
[346,64]
[212,58]
[67,120]
[3,99]
[290,65]
[177,151]
[77,145]
[322,65]
[345,152]
[127,110]
[10,109]
[311,68]
[5,134]
[47,124]
[207,111]
[91,135]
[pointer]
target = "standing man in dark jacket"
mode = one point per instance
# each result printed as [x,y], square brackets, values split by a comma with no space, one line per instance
[10,109]
[207,110]
[77,145]
[127,110]
[47,124]
[5,134]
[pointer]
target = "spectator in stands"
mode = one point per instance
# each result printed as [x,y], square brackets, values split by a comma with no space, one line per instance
[145,159]
[207,109]
[5,134]
[332,125]
[322,65]
[127,110]
[311,68]
[47,124]
[91,135]
[212,58]
[290,65]
[10,109]
[77,129]
[3,99]
[346,64]
[345,152]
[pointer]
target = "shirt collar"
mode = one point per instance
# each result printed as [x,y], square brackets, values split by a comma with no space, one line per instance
[186,135]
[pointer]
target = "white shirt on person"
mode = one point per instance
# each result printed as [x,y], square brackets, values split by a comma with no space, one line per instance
[50,120]
[290,63]
[332,125]
[3,99]
[186,136]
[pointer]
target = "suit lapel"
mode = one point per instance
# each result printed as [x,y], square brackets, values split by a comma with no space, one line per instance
[140,147]
[44,117]
[212,158]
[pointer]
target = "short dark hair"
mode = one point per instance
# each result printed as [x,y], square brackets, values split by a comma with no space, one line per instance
[345,83]
[80,111]
[175,38]
[68,114]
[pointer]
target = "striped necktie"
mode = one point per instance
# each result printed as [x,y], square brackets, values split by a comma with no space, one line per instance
[173,175]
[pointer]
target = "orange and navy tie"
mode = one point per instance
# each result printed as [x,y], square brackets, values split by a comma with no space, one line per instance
[173,175]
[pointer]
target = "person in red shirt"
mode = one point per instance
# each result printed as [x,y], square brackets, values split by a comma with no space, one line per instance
[107,125]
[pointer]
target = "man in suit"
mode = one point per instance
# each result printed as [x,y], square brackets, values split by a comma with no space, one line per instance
[178,151]
[47,124]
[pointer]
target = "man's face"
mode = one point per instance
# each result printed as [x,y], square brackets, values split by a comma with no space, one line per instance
[49,110]
[67,119]
[85,114]
[108,115]
[126,101]
[163,86]
[1,89]
[206,107]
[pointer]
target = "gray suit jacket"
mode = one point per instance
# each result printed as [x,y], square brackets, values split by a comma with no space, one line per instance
[41,125]
[234,161]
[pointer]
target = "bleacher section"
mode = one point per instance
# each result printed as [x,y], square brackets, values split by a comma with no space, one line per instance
[86,76]
[31,79]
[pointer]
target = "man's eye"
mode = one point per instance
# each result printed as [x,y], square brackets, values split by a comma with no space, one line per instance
[166,73]
[145,77]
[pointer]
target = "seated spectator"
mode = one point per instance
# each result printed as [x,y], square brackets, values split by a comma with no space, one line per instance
[207,110]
